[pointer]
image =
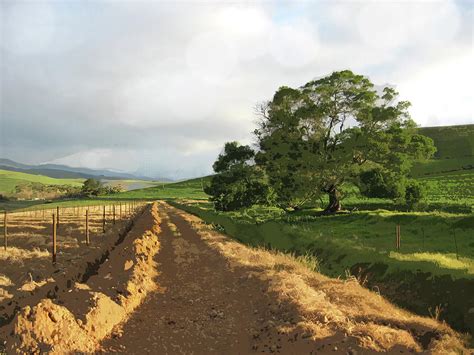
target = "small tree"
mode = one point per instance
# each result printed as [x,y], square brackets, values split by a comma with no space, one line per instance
[238,183]
[381,183]
[414,193]
[91,187]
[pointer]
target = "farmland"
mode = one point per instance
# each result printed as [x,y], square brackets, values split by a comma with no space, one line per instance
[26,252]
[434,266]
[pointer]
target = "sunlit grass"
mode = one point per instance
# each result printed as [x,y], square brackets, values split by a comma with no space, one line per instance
[447,261]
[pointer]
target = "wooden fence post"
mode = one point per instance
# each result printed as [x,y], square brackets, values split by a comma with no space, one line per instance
[54,237]
[103,219]
[87,227]
[5,231]
[113,213]
[57,217]
[455,243]
[423,234]
[398,236]
[120,213]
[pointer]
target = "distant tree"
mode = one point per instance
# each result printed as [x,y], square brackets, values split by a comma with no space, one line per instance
[91,187]
[316,138]
[109,190]
[238,183]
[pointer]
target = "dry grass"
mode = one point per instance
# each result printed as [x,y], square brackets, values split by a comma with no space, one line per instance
[331,306]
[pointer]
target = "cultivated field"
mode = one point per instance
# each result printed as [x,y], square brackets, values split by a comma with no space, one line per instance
[26,254]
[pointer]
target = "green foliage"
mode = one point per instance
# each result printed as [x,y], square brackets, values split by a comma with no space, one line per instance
[234,155]
[381,184]
[237,184]
[414,193]
[307,148]
[36,190]
[91,187]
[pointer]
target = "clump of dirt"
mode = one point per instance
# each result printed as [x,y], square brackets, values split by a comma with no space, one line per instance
[334,307]
[77,318]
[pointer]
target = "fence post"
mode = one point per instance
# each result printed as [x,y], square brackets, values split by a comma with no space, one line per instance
[57,217]
[54,237]
[120,213]
[397,229]
[87,227]
[455,243]
[423,233]
[103,219]
[5,231]
[113,213]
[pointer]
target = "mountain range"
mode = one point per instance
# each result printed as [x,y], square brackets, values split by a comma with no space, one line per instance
[66,172]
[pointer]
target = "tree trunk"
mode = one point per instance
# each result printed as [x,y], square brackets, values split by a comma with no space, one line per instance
[334,200]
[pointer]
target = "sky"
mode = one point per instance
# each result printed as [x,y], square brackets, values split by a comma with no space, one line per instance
[157,87]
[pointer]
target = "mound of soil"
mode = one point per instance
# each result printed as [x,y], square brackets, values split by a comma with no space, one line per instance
[76,318]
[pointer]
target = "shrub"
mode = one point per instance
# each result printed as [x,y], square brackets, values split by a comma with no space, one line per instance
[415,192]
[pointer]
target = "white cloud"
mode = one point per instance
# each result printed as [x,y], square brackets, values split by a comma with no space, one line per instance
[28,28]
[294,45]
[100,159]
[168,83]
[442,90]
[394,25]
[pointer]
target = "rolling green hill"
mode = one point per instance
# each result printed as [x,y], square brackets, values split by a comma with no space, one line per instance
[10,179]
[188,189]
[452,142]
[455,151]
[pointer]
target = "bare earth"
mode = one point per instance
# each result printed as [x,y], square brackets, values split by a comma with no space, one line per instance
[216,296]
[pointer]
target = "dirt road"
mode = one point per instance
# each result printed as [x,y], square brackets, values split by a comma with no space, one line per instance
[208,304]
[204,306]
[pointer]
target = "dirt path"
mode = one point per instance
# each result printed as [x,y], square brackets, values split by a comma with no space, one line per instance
[205,307]
[216,296]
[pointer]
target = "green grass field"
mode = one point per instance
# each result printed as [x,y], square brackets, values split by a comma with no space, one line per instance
[130,184]
[189,189]
[10,179]
[452,142]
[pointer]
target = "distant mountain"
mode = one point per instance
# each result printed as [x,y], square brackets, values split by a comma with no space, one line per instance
[67,172]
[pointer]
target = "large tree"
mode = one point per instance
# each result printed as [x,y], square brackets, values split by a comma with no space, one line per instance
[315,138]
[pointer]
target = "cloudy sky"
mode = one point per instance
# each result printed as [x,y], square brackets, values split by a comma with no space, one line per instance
[157,87]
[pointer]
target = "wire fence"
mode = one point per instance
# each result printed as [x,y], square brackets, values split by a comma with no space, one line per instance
[62,228]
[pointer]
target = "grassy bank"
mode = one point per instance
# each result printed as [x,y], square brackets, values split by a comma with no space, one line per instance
[425,273]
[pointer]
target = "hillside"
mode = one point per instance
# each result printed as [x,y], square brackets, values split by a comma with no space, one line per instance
[68,172]
[455,150]
[452,142]
[189,189]
[10,179]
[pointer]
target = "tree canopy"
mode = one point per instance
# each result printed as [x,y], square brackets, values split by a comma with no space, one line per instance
[315,138]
